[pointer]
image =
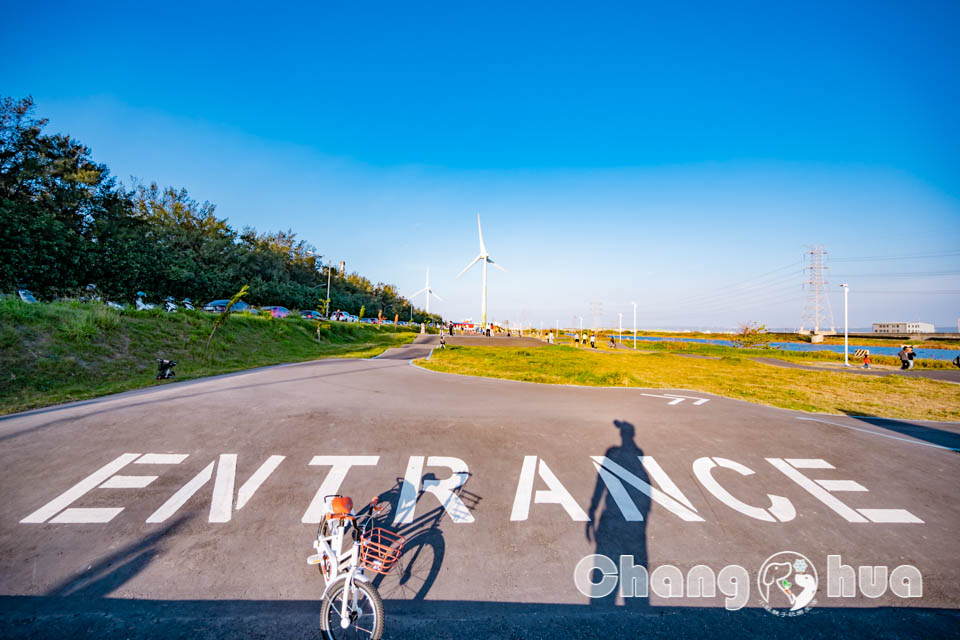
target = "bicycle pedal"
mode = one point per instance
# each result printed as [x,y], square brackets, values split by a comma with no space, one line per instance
[316,558]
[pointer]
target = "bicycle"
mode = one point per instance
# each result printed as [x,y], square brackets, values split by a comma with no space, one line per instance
[419,565]
[351,605]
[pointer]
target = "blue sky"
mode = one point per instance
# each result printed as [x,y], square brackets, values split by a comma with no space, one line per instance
[667,155]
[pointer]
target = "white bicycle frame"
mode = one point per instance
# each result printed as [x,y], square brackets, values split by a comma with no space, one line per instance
[342,563]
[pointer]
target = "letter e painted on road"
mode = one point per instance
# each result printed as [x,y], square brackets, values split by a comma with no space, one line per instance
[106,477]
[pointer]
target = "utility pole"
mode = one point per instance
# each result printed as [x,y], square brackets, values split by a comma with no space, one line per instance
[816,310]
[634,325]
[597,311]
[846,345]
[329,270]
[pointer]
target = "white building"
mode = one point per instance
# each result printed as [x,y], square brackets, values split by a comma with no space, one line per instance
[903,327]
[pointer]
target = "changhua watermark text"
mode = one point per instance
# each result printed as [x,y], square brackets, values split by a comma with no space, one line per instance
[788,583]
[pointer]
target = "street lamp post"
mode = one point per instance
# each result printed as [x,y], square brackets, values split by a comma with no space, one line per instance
[634,325]
[620,335]
[329,271]
[846,345]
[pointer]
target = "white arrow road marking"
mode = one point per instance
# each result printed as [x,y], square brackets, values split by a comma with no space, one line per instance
[698,401]
[676,399]
[672,400]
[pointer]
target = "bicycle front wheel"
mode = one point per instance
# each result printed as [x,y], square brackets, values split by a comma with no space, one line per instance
[364,612]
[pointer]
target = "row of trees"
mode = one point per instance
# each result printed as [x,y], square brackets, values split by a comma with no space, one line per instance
[66,222]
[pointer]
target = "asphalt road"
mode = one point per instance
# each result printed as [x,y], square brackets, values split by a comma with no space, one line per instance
[185,511]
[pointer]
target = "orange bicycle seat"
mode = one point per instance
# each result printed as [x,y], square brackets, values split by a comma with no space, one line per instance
[340,507]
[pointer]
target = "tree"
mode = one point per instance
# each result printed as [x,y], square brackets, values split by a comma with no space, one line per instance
[65,222]
[751,335]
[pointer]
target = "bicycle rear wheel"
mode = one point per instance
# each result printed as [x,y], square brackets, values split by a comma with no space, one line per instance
[365,614]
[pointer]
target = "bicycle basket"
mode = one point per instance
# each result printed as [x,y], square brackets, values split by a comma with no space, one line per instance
[380,550]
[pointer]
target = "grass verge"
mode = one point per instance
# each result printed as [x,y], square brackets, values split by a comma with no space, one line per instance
[730,376]
[58,352]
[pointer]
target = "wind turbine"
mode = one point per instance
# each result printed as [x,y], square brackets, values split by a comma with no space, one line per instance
[428,291]
[486,259]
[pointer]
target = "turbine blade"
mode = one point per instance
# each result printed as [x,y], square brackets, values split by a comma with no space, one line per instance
[414,295]
[436,296]
[496,265]
[465,269]
[483,249]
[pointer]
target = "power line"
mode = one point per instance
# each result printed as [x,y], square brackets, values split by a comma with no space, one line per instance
[716,291]
[915,256]
[928,292]
[909,274]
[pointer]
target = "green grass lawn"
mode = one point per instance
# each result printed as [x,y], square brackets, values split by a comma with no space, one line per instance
[733,376]
[56,352]
[802,357]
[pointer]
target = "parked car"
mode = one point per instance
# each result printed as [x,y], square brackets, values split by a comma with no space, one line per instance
[311,314]
[276,312]
[218,306]
[369,321]
[26,296]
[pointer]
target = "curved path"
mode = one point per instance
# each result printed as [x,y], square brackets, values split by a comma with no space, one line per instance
[187,510]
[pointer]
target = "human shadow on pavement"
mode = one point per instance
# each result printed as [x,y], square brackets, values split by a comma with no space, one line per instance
[113,571]
[933,435]
[616,533]
[424,546]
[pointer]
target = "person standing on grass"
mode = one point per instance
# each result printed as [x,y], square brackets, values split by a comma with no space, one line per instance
[613,343]
[904,360]
[576,339]
[593,341]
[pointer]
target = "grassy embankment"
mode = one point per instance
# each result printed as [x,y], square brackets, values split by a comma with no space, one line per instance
[733,376]
[57,352]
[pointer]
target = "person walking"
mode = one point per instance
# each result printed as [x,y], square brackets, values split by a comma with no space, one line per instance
[443,341]
[904,360]
[593,341]
[910,356]
[576,339]
[866,360]
[613,343]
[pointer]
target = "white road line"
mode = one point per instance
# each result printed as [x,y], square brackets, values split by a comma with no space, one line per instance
[698,401]
[882,435]
[673,400]
[221,505]
[248,488]
[162,458]
[127,482]
[73,493]
[809,463]
[891,516]
[841,485]
[177,500]
[87,516]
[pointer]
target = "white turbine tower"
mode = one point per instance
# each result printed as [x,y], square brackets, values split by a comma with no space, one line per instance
[486,259]
[428,291]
